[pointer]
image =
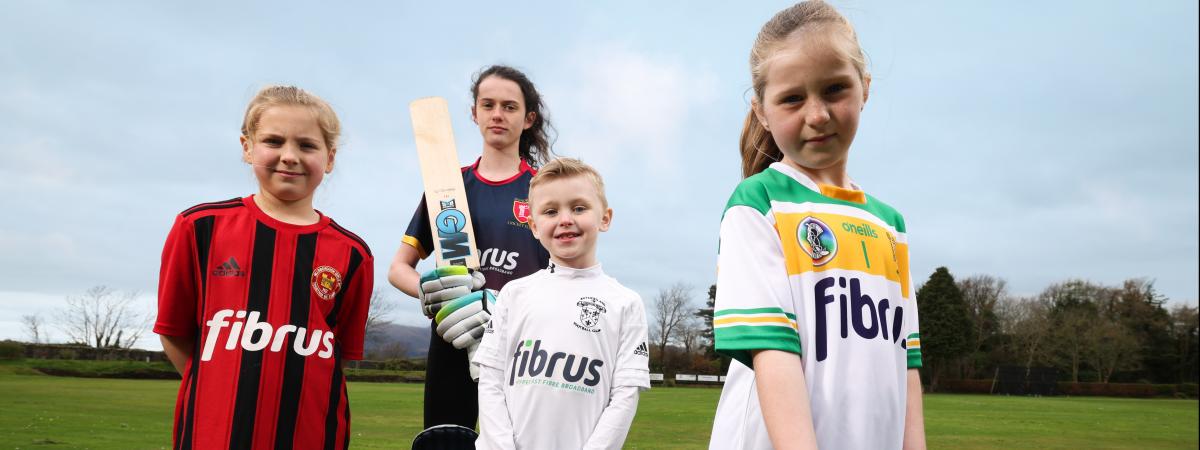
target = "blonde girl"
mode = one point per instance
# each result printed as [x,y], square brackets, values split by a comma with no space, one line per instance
[814,299]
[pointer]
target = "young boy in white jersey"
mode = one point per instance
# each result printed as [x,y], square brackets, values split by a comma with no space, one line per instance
[564,357]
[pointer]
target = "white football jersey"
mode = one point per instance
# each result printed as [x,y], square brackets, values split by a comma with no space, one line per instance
[564,338]
[821,272]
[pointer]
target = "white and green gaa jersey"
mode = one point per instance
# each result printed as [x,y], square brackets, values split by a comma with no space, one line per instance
[564,339]
[822,272]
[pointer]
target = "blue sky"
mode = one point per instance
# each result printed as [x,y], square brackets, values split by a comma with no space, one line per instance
[1034,141]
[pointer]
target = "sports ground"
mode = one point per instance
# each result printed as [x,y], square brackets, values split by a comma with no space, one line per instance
[44,412]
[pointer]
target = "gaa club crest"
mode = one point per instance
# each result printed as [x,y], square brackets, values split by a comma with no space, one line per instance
[590,309]
[326,282]
[817,240]
[521,211]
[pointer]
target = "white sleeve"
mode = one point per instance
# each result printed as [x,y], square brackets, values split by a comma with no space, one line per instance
[614,422]
[495,425]
[912,329]
[633,356]
[490,352]
[753,309]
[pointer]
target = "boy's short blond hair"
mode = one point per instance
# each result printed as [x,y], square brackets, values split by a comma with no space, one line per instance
[562,168]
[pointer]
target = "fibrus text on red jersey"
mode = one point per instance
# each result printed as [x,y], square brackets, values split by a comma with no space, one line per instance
[254,335]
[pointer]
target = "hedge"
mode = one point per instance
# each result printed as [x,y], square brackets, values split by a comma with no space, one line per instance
[1138,390]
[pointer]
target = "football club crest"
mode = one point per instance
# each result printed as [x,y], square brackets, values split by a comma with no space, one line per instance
[817,240]
[326,282]
[521,210]
[590,309]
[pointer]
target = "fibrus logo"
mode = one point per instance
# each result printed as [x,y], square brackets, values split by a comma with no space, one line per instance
[868,318]
[450,224]
[817,240]
[529,360]
[243,333]
[499,258]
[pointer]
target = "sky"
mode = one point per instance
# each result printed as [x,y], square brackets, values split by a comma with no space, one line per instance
[1032,141]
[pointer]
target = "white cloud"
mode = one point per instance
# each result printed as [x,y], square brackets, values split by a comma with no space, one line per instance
[627,108]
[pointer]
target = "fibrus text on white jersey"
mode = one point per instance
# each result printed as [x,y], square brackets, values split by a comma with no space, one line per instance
[822,272]
[564,339]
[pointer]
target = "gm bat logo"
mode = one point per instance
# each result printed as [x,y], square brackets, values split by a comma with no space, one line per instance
[450,224]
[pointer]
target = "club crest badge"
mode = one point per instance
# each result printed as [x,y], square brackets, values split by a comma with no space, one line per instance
[817,240]
[590,309]
[521,211]
[326,282]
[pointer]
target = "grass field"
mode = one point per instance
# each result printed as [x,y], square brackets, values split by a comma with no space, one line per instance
[43,412]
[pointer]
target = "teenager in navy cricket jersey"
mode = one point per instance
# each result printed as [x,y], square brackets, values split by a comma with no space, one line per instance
[261,298]
[511,118]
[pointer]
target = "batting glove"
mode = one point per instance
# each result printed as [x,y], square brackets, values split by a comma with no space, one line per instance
[443,284]
[461,321]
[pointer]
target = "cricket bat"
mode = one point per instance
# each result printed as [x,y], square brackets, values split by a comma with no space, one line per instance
[445,196]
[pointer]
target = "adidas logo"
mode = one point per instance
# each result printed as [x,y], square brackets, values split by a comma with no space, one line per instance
[642,350]
[229,269]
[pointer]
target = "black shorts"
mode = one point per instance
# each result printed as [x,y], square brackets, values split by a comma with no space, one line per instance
[450,395]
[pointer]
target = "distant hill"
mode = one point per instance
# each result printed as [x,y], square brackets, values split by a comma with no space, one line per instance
[409,340]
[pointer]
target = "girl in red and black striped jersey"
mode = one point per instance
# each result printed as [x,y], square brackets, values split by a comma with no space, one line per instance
[261,298]
[511,117]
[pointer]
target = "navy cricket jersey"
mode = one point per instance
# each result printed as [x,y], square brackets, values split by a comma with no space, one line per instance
[500,217]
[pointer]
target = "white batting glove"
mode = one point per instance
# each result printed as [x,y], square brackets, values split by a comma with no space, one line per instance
[461,321]
[443,284]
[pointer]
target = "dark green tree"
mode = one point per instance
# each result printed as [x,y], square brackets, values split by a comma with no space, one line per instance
[981,295]
[706,313]
[946,331]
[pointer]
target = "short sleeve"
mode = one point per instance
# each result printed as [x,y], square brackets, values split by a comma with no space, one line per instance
[912,331]
[633,359]
[356,301]
[753,309]
[178,283]
[418,234]
[489,353]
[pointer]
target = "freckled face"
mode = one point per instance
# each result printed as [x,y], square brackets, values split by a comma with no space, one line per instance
[288,153]
[811,101]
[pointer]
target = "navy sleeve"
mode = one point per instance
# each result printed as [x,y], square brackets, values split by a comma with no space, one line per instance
[418,234]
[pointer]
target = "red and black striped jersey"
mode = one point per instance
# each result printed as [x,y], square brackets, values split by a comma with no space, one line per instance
[274,309]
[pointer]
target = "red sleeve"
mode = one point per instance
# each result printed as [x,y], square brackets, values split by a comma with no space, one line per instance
[177,282]
[353,316]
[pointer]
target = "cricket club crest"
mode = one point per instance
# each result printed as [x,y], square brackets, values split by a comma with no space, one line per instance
[590,309]
[817,240]
[521,210]
[326,282]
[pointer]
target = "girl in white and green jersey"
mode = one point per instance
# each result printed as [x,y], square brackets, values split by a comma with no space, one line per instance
[814,298]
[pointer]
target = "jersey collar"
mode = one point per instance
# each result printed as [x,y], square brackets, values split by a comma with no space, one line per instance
[474,168]
[854,194]
[568,272]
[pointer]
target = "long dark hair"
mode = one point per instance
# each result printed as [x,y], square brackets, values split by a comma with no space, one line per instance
[536,141]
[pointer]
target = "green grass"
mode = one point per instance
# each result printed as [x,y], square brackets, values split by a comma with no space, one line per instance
[43,412]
